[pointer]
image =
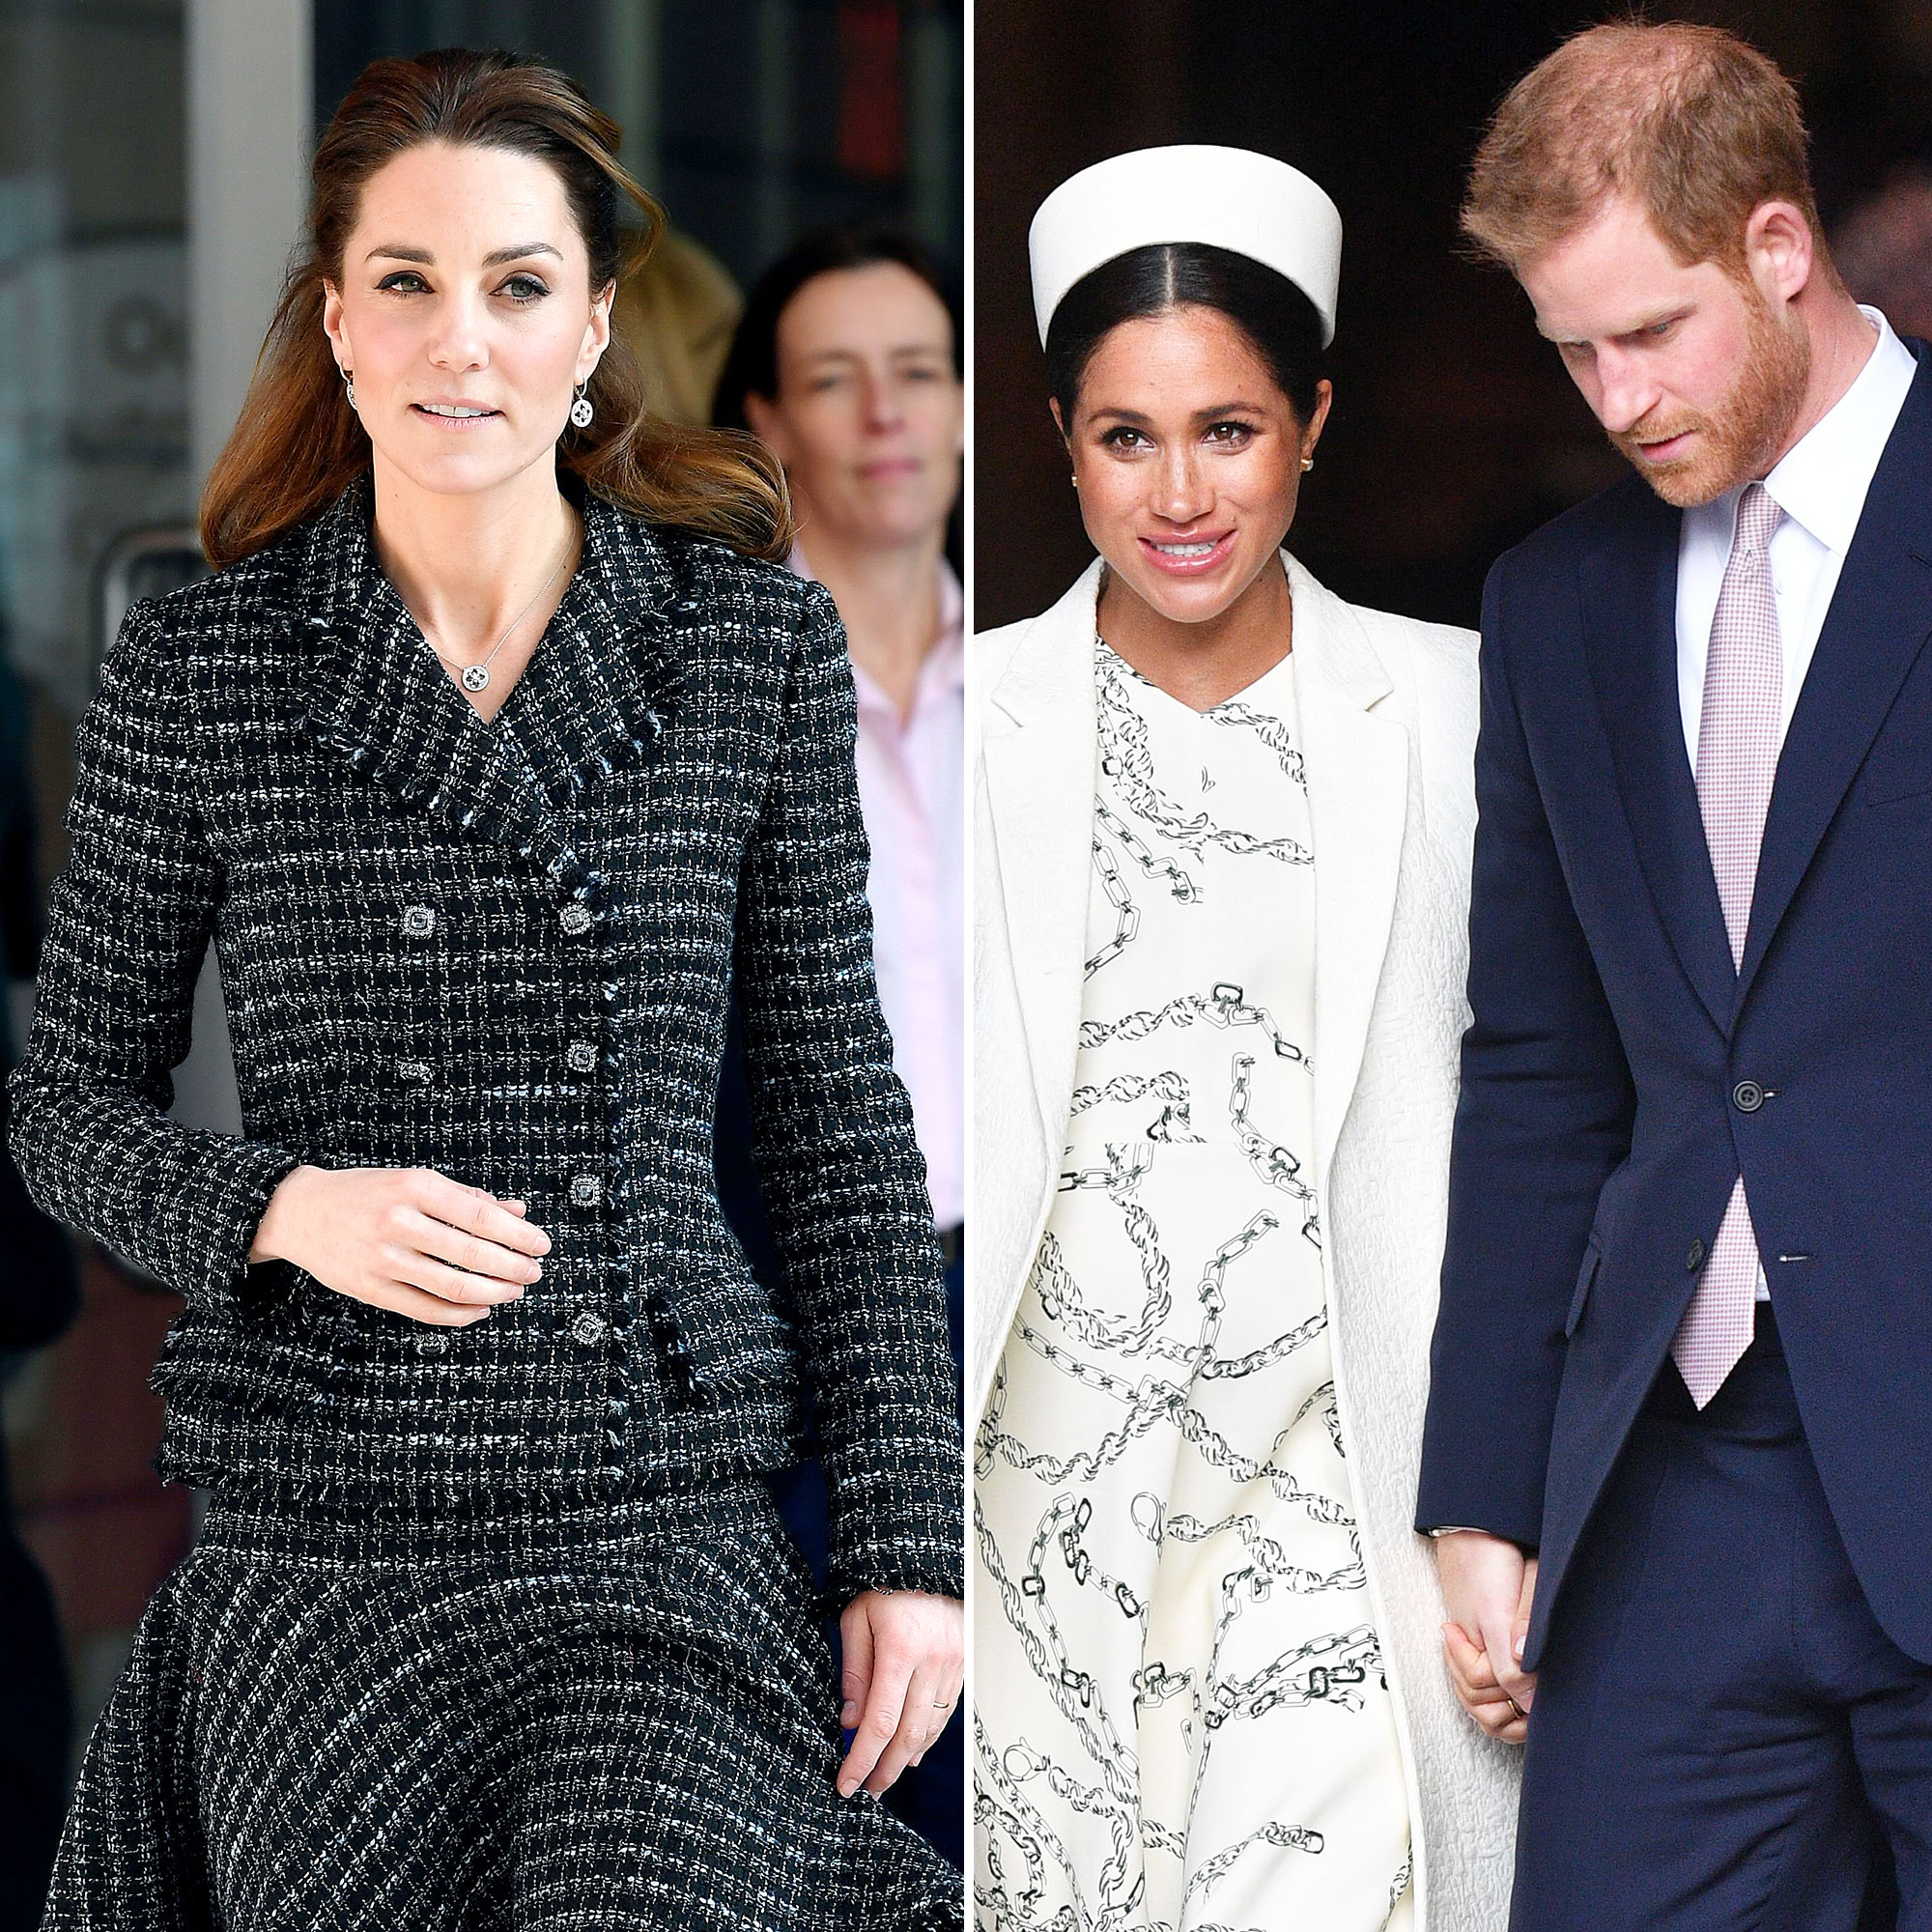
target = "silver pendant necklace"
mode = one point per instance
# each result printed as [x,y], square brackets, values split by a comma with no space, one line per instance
[477,676]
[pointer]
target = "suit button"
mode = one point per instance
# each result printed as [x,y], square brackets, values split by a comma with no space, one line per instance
[588,1329]
[1694,1260]
[1747,1097]
[582,1057]
[418,920]
[586,1191]
[575,919]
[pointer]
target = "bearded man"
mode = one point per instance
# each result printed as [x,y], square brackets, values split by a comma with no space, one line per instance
[1680,1424]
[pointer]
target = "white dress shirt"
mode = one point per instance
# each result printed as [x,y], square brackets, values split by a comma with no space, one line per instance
[1820,484]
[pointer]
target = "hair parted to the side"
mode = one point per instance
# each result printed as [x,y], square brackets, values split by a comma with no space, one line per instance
[752,368]
[1689,121]
[297,444]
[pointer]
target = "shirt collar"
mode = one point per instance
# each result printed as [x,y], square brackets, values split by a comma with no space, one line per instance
[944,670]
[1822,480]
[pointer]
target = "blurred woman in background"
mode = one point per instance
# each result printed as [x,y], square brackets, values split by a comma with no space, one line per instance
[846,364]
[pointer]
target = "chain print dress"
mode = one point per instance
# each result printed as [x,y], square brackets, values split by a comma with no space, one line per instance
[1182,1720]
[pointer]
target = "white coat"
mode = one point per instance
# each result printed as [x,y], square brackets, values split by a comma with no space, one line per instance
[1389,726]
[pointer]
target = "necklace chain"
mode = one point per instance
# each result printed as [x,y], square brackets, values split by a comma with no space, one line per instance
[477,676]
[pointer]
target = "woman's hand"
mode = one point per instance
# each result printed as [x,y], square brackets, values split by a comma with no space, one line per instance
[407,1239]
[905,1658]
[1487,1587]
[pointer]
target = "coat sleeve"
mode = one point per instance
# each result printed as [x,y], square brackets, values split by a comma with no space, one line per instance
[842,1176]
[1544,1115]
[128,926]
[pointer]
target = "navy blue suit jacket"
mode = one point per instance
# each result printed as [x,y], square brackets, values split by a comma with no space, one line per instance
[1611,1072]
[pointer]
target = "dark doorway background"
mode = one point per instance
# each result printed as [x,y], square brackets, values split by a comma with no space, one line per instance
[1455,431]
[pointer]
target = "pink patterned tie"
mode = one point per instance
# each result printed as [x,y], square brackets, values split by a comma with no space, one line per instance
[1738,736]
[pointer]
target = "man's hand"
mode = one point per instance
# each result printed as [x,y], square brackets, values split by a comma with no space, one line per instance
[905,1658]
[1487,1588]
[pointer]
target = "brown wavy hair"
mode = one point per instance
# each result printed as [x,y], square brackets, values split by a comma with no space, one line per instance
[297,444]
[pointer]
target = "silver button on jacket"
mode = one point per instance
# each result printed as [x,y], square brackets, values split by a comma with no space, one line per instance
[417,914]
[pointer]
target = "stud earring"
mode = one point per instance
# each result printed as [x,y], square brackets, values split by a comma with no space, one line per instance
[1307,464]
[348,385]
[581,410]
[1076,482]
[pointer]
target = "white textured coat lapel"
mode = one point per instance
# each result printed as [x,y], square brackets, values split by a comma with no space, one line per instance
[1358,766]
[1039,751]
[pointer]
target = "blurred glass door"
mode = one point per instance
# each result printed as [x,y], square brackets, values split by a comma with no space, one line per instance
[96,502]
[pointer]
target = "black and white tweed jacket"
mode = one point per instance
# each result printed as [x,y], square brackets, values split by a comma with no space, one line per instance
[501,950]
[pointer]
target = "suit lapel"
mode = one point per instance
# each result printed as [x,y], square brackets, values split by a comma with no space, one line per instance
[1629,626]
[1358,766]
[594,697]
[1038,755]
[605,683]
[1879,617]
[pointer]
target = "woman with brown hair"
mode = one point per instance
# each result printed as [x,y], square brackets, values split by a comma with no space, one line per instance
[498,742]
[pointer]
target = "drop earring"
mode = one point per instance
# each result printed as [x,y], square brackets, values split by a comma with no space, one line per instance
[581,410]
[348,385]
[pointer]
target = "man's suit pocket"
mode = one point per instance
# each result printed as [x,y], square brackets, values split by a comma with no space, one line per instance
[1586,1275]
[1900,771]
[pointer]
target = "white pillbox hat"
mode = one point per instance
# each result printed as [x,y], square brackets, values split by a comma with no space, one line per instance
[1225,197]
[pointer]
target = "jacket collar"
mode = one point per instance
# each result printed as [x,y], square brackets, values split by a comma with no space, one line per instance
[594,698]
[1039,754]
[1879,622]
[1356,757]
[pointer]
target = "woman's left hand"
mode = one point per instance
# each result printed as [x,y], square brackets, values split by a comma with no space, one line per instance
[905,1658]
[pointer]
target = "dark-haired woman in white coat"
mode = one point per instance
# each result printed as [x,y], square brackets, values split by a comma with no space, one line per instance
[1222,842]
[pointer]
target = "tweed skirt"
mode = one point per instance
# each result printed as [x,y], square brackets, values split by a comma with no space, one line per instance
[591,1719]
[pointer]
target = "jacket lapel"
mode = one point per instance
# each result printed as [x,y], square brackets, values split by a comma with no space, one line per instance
[1629,626]
[1358,766]
[593,698]
[1879,617]
[1039,754]
[605,683]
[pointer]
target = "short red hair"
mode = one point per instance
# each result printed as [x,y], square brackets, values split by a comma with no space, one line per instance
[1693,124]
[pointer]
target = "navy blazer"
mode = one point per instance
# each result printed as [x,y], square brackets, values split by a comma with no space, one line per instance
[1619,1074]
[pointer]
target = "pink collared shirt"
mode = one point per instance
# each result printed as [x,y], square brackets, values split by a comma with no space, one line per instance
[912,792]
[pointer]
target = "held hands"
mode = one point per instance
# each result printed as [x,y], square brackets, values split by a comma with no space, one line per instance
[1487,1588]
[905,1658]
[407,1239]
